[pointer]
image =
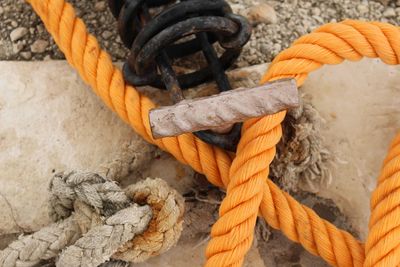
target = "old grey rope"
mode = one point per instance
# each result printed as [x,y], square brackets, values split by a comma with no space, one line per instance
[95,219]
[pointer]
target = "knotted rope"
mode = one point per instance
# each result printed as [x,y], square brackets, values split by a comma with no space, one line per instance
[97,221]
[249,191]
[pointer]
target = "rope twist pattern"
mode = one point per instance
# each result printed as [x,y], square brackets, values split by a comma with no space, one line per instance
[97,220]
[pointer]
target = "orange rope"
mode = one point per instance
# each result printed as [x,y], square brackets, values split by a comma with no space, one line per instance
[245,177]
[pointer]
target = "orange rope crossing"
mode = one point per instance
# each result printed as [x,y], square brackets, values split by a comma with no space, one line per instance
[245,176]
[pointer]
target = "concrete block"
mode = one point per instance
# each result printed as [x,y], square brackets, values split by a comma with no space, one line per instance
[49,122]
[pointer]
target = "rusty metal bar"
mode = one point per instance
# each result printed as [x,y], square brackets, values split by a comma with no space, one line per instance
[222,110]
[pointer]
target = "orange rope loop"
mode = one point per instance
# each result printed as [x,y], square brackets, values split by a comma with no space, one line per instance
[249,191]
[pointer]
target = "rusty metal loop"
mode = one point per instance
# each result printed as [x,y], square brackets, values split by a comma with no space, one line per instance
[156,38]
[146,55]
[135,36]
[185,80]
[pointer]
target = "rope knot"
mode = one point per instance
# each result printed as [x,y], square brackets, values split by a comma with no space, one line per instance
[166,225]
[101,194]
[97,221]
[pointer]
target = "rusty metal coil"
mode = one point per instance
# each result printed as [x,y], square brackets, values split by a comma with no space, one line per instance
[155,42]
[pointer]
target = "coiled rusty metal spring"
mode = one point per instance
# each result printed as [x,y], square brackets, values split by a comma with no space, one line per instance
[155,42]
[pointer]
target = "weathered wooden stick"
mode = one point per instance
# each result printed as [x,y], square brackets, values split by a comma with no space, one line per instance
[222,110]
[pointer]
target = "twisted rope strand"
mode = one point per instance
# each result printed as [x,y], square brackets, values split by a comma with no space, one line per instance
[371,40]
[99,222]
[244,177]
[89,195]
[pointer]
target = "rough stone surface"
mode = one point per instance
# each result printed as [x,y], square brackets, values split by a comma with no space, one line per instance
[50,122]
[192,254]
[359,104]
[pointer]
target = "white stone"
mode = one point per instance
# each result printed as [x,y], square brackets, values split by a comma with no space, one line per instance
[262,13]
[26,55]
[389,12]
[316,11]
[17,47]
[39,46]
[18,33]
[362,8]
[100,6]
[106,34]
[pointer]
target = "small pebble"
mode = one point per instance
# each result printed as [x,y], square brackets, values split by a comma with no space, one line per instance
[17,47]
[106,34]
[18,33]
[316,11]
[362,8]
[293,2]
[262,13]
[40,29]
[14,23]
[91,16]
[26,55]
[277,47]
[39,46]
[264,48]
[389,12]
[100,6]
[384,2]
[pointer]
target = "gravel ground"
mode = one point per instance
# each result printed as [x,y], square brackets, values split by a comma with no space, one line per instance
[276,25]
